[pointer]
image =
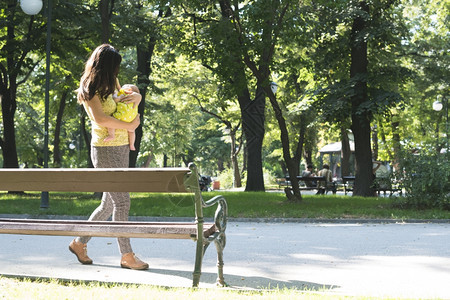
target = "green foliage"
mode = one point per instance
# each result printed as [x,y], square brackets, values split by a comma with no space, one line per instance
[196,50]
[226,178]
[426,180]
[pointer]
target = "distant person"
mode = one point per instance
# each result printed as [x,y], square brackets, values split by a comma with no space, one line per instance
[309,172]
[322,185]
[380,176]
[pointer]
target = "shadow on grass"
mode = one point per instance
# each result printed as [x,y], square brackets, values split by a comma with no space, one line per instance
[249,282]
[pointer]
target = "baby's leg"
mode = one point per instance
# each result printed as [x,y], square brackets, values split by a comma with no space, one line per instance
[132,139]
[111,135]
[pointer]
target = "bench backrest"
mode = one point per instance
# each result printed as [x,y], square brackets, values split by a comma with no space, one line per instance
[94,180]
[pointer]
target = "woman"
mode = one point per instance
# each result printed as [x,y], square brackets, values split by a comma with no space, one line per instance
[97,85]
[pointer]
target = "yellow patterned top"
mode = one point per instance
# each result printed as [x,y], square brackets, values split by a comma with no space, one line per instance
[99,133]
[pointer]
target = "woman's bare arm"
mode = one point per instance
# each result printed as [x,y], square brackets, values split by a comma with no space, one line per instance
[94,106]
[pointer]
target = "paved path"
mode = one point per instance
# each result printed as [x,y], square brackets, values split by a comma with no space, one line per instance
[396,260]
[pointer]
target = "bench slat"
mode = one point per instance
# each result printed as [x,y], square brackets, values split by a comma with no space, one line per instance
[163,230]
[161,180]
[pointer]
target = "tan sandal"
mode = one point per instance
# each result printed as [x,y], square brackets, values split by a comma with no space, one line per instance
[130,261]
[80,250]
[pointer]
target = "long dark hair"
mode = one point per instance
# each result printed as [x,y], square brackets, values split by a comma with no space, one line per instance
[100,73]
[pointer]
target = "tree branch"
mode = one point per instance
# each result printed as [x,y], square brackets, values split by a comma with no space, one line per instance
[19,62]
[28,74]
[227,123]
[278,27]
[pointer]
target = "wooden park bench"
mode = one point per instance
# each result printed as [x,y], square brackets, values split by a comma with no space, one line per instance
[348,182]
[311,183]
[160,180]
[282,182]
[380,185]
[387,185]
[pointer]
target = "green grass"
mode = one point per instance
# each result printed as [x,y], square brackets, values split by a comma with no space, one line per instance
[240,205]
[53,289]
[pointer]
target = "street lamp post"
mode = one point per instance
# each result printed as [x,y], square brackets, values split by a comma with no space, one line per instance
[33,7]
[438,106]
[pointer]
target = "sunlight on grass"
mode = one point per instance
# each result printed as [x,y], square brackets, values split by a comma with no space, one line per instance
[11,288]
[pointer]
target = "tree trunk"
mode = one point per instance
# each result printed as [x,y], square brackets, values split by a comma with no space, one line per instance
[345,153]
[105,16]
[361,118]
[144,57]
[396,140]
[8,142]
[244,159]
[253,118]
[8,94]
[283,167]
[363,173]
[86,137]
[234,161]
[165,160]
[56,143]
[374,143]
[292,163]
[149,159]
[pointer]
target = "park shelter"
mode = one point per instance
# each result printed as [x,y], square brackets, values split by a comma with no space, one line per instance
[331,154]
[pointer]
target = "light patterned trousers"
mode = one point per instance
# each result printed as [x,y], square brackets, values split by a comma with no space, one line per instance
[115,204]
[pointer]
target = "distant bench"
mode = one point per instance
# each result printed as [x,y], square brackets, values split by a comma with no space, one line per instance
[159,180]
[386,184]
[311,183]
[380,184]
[282,182]
[348,182]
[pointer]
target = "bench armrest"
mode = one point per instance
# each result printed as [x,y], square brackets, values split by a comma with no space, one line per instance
[221,214]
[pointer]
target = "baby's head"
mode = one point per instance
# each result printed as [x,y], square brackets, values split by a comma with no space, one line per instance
[129,88]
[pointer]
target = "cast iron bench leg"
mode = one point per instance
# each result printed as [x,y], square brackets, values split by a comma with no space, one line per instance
[198,265]
[220,245]
[199,251]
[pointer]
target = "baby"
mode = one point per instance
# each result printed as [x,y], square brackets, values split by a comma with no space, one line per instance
[124,112]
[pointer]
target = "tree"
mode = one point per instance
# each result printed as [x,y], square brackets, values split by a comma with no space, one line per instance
[210,37]
[243,40]
[144,20]
[242,49]
[425,53]
[252,111]
[18,40]
[106,8]
[235,147]
[361,118]
[373,33]
[271,14]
